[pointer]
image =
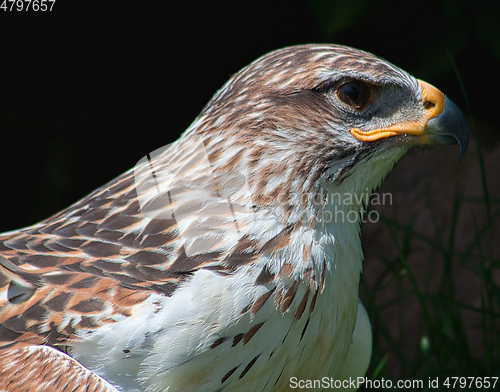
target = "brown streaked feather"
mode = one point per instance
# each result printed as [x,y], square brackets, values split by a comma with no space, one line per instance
[42,369]
[288,297]
[261,301]
[279,241]
[247,368]
[264,277]
[228,374]
[251,332]
[237,339]
[302,306]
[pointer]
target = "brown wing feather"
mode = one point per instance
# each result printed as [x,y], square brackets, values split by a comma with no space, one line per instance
[42,369]
[91,263]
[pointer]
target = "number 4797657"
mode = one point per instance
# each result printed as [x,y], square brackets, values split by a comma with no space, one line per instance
[470,382]
[27,5]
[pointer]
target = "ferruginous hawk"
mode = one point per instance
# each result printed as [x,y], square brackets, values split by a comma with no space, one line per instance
[224,261]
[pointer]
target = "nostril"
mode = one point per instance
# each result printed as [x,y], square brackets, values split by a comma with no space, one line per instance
[428,105]
[432,100]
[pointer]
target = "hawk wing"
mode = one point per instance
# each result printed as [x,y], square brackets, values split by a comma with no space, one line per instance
[146,231]
[43,368]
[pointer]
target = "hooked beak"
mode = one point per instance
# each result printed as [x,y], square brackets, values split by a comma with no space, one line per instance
[443,123]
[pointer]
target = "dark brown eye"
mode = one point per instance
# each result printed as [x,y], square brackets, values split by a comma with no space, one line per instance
[355,94]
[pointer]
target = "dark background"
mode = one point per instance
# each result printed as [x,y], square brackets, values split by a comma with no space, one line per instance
[87,90]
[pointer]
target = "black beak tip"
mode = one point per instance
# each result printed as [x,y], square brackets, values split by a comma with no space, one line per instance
[460,128]
[450,125]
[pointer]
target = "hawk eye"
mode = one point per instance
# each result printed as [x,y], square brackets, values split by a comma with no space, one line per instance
[355,94]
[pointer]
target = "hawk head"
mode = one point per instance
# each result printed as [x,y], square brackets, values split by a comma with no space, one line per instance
[315,112]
